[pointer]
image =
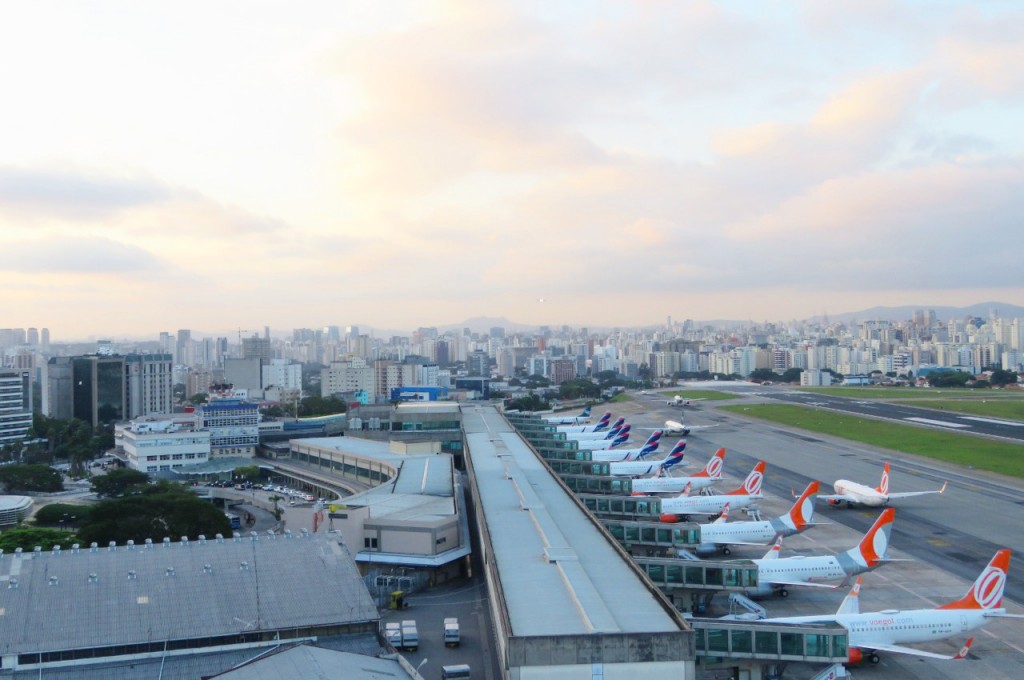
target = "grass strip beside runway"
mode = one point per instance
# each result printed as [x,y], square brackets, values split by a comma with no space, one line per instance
[961,449]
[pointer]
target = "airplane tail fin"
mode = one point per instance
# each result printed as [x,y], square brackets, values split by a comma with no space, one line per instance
[585,413]
[752,484]
[873,547]
[603,421]
[673,458]
[987,590]
[651,445]
[883,486]
[713,469]
[802,512]
[851,603]
[621,438]
[724,517]
[773,554]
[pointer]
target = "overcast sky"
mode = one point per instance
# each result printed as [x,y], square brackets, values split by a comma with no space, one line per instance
[216,165]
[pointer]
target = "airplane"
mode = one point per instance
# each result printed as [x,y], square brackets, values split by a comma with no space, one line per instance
[853,493]
[721,534]
[608,433]
[583,417]
[602,444]
[662,483]
[774,573]
[601,425]
[678,400]
[746,495]
[649,447]
[889,630]
[674,427]
[645,467]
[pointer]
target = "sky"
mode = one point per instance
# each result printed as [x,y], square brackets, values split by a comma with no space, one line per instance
[231,165]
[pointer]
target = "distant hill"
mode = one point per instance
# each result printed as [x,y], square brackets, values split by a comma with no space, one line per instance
[942,312]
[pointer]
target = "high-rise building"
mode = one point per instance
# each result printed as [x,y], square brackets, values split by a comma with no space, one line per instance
[107,389]
[257,348]
[234,427]
[15,405]
[183,348]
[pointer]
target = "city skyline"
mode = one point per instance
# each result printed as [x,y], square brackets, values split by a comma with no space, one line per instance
[409,164]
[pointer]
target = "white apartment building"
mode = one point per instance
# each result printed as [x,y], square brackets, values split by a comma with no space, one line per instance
[15,405]
[162,443]
[282,374]
[347,376]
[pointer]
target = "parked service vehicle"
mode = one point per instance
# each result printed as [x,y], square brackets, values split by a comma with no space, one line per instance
[451,632]
[410,636]
[393,634]
[455,672]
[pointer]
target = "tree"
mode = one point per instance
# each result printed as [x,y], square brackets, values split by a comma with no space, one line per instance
[579,389]
[999,378]
[248,472]
[272,411]
[164,509]
[27,538]
[948,379]
[764,375]
[199,398]
[118,483]
[530,402]
[23,478]
[791,375]
[321,406]
[61,514]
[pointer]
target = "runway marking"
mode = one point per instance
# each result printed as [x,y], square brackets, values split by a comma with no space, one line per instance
[994,421]
[940,423]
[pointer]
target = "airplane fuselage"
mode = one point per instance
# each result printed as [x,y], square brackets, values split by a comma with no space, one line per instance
[630,468]
[671,484]
[745,532]
[861,494]
[870,630]
[800,569]
[613,455]
[706,505]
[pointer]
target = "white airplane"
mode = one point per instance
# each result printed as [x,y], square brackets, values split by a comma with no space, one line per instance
[607,433]
[630,468]
[774,573]
[649,447]
[660,482]
[601,425]
[721,534]
[684,504]
[890,629]
[853,493]
[603,444]
[674,427]
[678,400]
[583,417]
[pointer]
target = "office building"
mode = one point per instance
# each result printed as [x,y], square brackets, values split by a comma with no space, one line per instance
[15,405]
[233,426]
[162,443]
[108,389]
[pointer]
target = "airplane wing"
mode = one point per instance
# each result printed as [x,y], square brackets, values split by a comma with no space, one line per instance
[900,649]
[908,494]
[812,584]
[1002,615]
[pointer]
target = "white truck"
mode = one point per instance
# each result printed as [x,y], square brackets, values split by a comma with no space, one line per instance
[451,632]
[410,636]
[393,634]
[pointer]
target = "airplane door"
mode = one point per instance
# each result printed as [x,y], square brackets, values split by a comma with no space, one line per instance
[963,623]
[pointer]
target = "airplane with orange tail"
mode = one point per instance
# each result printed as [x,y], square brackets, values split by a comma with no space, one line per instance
[774,573]
[889,630]
[684,504]
[720,534]
[661,482]
[853,493]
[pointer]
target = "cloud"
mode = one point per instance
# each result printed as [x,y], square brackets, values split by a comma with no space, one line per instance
[37,193]
[78,255]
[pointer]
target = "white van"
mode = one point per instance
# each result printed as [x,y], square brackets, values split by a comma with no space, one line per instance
[456,672]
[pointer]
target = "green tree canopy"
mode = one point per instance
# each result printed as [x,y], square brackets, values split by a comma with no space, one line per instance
[119,482]
[579,389]
[763,374]
[25,478]
[163,510]
[321,406]
[27,538]
[530,402]
[249,472]
[792,375]
[52,514]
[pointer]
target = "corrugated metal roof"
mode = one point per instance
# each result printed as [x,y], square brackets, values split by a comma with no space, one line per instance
[546,548]
[313,663]
[179,591]
[426,475]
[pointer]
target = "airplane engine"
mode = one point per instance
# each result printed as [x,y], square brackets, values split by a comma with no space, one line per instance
[706,550]
[855,656]
[668,518]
